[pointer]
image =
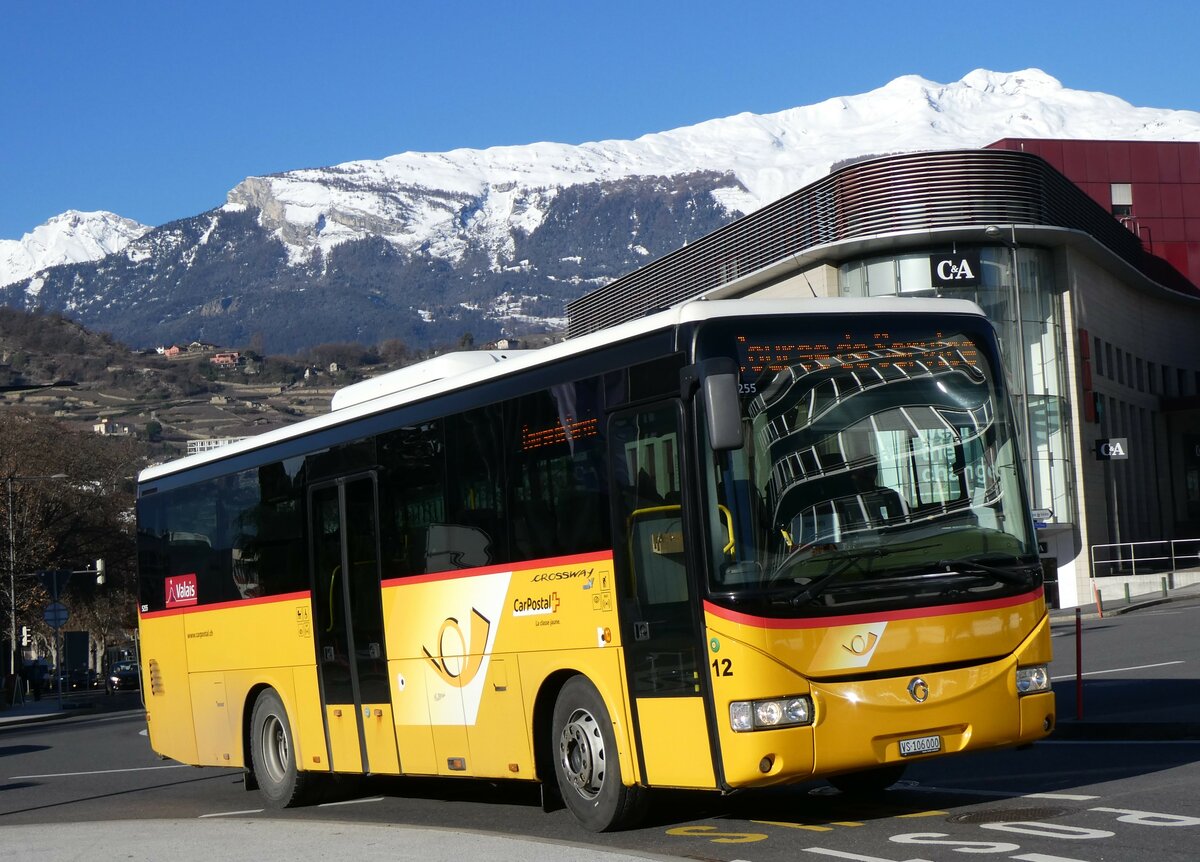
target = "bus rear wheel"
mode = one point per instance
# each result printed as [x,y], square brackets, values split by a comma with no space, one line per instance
[869,782]
[586,763]
[273,754]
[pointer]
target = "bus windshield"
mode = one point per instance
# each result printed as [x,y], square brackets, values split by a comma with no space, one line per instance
[878,469]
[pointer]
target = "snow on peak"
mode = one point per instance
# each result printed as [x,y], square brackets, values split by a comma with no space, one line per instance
[72,237]
[445,204]
[418,200]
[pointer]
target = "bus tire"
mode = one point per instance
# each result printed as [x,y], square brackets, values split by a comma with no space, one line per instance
[869,782]
[273,754]
[586,762]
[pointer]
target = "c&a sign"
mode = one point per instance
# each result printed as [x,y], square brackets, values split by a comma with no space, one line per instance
[955,269]
[1112,449]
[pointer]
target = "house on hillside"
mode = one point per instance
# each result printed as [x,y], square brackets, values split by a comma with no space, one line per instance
[112,429]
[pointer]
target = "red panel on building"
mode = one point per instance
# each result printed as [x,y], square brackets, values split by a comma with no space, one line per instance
[1172,230]
[1144,162]
[1119,163]
[1165,180]
[1172,200]
[1147,202]
[1052,151]
[1096,156]
[1168,162]
[1189,164]
[1075,162]
[1101,193]
[1191,200]
[1175,254]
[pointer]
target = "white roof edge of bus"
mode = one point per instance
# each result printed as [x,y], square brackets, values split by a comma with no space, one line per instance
[437,368]
[687,312]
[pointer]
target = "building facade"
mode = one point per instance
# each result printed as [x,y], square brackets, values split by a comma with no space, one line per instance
[1085,256]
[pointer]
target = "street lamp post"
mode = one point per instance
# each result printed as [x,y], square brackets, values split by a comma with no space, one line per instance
[12,566]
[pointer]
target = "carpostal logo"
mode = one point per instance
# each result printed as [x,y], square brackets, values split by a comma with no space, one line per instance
[534,607]
[181,590]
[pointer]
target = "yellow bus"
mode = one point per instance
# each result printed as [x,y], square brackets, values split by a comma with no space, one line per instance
[730,545]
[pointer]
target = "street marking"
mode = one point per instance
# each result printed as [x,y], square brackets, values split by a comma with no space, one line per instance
[810,828]
[351,801]
[716,836]
[234,813]
[99,772]
[1118,670]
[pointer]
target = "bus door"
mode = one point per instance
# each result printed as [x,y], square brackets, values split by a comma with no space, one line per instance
[659,619]
[351,658]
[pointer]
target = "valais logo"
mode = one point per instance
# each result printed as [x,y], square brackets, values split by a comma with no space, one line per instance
[181,590]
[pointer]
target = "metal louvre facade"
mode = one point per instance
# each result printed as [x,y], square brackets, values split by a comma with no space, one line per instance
[895,194]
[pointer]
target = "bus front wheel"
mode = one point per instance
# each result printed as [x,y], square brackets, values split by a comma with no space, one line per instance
[273,754]
[586,762]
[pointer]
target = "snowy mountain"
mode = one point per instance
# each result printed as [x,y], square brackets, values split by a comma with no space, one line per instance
[419,199]
[428,246]
[73,237]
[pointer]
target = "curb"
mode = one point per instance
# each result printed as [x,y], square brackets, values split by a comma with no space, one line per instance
[68,711]
[1064,618]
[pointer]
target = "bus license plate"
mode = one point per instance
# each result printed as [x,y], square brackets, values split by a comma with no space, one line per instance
[920,745]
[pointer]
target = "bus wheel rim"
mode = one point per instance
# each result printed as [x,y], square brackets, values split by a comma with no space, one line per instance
[581,754]
[275,748]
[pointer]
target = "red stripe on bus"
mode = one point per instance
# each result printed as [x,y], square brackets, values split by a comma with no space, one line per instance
[523,565]
[861,619]
[217,606]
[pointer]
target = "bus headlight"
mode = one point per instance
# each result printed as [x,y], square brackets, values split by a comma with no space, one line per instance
[747,715]
[1033,679]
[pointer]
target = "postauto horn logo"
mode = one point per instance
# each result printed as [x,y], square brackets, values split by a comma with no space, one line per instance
[450,666]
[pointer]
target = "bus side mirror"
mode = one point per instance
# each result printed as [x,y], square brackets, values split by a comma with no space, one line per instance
[721,403]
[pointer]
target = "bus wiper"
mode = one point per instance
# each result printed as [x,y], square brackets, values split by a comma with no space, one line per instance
[1015,573]
[818,585]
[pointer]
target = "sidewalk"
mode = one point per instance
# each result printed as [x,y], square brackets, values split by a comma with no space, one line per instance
[48,709]
[1089,611]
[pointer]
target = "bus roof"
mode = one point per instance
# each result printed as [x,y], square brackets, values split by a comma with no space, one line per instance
[445,374]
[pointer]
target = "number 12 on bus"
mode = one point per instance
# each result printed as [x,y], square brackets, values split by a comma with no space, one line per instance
[731,545]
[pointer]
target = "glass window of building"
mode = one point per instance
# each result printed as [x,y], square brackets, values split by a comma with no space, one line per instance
[1032,342]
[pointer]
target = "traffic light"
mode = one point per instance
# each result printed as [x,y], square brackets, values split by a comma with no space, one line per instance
[24,635]
[100,571]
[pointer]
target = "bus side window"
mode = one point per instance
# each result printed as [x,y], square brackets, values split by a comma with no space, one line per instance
[557,482]
[411,496]
[646,469]
[476,498]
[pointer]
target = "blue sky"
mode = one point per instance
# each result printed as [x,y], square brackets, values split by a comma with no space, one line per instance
[155,109]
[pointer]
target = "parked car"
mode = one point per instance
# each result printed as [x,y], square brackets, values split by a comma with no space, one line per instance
[121,676]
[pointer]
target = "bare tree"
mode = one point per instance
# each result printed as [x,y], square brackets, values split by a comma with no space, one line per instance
[68,497]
